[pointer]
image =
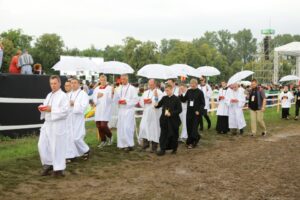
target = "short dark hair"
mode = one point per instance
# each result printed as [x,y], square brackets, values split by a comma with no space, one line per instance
[254,80]
[168,86]
[55,77]
[76,79]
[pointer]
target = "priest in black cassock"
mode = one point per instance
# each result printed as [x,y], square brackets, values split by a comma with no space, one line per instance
[169,121]
[195,106]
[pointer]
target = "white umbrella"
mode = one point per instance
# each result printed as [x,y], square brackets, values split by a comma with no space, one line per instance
[73,63]
[157,71]
[183,70]
[239,76]
[114,67]
[207,71]
[289,78]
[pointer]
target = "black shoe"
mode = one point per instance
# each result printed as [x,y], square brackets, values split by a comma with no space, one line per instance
[241,131]
[46,170]
[208,126]
[263,134]
[86,155]
[130,148]
[161,153]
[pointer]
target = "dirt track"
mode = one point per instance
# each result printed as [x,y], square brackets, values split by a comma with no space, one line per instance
[234,168]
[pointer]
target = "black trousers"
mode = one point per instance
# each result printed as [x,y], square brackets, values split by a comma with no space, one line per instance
[297,109]
[192,125]
[285,112]
[205,115]
[222,124]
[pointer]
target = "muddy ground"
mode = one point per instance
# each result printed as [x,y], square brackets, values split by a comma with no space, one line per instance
[234,167]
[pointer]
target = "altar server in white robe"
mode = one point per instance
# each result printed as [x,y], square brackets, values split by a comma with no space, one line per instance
[52,140]
[71,151]
[236,99]
[176,91]
[222,111]
[79,101]
[207,91]
[127,98]
[285,98]
[103,100]
[149,126]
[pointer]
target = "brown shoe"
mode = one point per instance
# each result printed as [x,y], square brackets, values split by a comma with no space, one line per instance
[154,147]
[46,170]
[146,144]
[59,173]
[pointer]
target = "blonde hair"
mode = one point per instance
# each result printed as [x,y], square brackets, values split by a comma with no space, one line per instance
[193,80]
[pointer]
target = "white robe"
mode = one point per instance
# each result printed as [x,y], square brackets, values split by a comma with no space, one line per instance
[149,126]
[222,107]
[52,140]
[126,115]
[81,101]
[103,104]
[287,102]
[114,113]
[182,116]
[207,92]
[71,151]
[235,110]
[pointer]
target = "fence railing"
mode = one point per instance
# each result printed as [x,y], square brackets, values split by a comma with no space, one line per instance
[272,101]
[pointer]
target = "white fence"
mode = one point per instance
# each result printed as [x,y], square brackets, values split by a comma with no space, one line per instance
[272,101]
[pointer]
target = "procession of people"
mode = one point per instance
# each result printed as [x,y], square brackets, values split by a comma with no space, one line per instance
[171,114]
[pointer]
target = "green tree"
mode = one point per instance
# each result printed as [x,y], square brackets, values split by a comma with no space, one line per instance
[19,40]
[9,52]
[47,50]
[114,53]
[245,45]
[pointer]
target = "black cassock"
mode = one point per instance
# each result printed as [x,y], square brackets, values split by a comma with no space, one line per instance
[169,125]
[195,102]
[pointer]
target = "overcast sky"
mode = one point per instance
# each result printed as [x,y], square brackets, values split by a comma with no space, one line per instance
[106,22]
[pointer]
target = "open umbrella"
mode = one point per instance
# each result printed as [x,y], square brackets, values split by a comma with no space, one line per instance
[207,71]
[157,71]
[289,78]
[114,67]
[183,70]
[239,76]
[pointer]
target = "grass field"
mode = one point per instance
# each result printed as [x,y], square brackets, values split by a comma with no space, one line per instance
[19,159]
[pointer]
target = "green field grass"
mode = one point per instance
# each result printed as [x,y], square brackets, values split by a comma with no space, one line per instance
[19,159]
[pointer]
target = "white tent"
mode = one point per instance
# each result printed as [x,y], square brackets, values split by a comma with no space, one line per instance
[290,49]
[79,66]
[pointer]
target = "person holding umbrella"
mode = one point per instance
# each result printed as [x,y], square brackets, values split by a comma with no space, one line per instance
[235,100]
[207,91]
[194,98]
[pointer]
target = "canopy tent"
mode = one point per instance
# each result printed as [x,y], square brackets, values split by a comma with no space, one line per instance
[290,49]
[75,63]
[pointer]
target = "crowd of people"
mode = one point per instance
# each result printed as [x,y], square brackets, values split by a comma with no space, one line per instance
[165,109]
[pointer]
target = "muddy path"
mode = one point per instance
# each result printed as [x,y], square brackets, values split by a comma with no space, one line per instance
[233,168]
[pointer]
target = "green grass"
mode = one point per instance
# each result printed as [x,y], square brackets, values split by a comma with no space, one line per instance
[19,159]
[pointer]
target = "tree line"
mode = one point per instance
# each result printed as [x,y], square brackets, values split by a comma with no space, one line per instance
[229,52]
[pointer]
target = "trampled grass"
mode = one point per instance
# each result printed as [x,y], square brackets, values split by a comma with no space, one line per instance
[19,159]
